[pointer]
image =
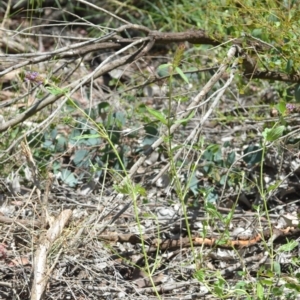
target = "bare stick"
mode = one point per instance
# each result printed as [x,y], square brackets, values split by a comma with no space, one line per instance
[40,257]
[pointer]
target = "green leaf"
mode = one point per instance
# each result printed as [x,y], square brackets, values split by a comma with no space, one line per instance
[92,139]
[223,179]
[182,121]
[257,32]
[297,93]
[267,282]
[123,189]
[182,75]
[288,247]
[218,157]
[56,90]
[260,291]
[273,187]
[211,152]
[157,115]
[219,286]
[200,275]
[272,134]
[281,107]
[86,136]
[138,189]
[289,66]
[103,107]
[151,131]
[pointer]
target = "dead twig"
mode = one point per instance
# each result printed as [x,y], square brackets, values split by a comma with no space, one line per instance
[40,257]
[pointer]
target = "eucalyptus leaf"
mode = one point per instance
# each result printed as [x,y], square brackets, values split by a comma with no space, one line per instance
[151,136]
[193,184]
[68,178]
[277,268]
[80,157]
[218,158]
[210,152]
[53,133]
[252,155]
[120,118]
[163,70]
[212,197]
[230,158]
[151,131]
[48,144]
[61,143]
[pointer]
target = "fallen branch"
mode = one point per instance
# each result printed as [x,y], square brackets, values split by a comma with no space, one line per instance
[8,220]
[113,41]
[171,244]
[50,99]
[40,258]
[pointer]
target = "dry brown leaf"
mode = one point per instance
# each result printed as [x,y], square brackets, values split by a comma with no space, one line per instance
[141,279]
[20,261]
